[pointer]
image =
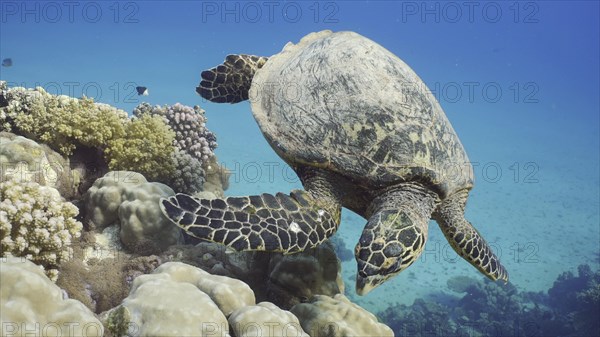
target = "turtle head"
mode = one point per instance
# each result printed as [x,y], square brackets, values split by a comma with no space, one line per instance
[391,241]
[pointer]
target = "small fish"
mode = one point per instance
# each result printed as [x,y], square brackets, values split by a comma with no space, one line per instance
[142,91]
[7,62]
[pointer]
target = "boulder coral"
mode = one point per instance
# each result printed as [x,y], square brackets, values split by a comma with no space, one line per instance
[129,199]
[26,160]
[295,278]
[336,316]
[30,304]
[171,302]
[265,320]
[37,224]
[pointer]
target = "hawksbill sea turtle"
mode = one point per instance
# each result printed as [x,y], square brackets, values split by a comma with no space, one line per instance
[339,109]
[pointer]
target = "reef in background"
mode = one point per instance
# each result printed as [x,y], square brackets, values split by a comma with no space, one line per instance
[570,308]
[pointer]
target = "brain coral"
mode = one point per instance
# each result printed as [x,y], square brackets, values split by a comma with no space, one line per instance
[37,224]
[31,305]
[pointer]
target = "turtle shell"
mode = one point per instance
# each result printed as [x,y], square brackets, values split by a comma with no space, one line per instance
[342,102]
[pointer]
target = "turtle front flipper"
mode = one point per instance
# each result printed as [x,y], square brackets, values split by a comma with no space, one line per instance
[275,223]
[230,82]
[465,239]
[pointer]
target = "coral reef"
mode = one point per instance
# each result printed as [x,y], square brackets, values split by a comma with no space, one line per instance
[189,124]
[326,316]
[61,122]
[189,176]
[571,308]
[578,298]
[342,252]
[296,278]
[37,224]
[169,144]
[32,305]
[146,148]
[127,197]
[264,319]
[80,280]
[25,160]
[217,178]
[169,302]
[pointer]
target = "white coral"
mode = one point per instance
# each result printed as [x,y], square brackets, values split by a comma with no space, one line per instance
[31,305]
[36,222]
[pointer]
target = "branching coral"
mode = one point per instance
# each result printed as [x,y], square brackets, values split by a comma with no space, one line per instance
[189,176]
[194,144]
[145,148]
[169,144]
[61,122]
[189,124]
[37,224]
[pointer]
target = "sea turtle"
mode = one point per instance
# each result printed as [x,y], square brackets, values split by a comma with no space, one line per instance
[362,131]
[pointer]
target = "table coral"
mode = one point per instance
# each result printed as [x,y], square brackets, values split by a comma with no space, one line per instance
[37,224]
[30,304]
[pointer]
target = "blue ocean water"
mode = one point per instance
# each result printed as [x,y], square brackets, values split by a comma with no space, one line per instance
[519,81]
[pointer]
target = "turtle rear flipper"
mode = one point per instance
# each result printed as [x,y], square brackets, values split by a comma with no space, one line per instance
[274,223]
[465,239]
[230,82]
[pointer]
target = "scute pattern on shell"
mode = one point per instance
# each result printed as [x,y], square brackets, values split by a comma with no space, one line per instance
[342,102]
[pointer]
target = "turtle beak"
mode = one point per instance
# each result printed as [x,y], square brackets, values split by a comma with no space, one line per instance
[364,283]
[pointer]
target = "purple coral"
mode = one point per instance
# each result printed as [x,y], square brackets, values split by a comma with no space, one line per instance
[189,124]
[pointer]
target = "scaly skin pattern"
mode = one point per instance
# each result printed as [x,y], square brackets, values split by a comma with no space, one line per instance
[230,82]
[465,239]
[395,234]
[280,223]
